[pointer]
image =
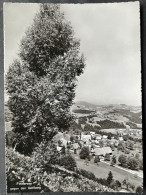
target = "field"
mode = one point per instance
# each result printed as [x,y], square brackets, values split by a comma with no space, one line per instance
[102,169]
[114,131]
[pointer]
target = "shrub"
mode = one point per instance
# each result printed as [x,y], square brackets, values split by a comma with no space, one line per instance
[68,162]
[71,138]
[130,144]
[109,178]
[86,174]
[45,154]
[140,164]
[96,159]
[127,184]
[139,190]
[127,151]
[115,185]
[121,146]
[107,157]
[133,163]
[137,156]
[84,153]
[63,152]
[89,158]
[123,160]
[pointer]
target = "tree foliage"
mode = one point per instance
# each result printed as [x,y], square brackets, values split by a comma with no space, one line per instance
[109,178]
[133,163]
[114,160]
[107,157]
[123,160]
[97,159]
[68,162]
[41,83]
[45,154]
[84,153]
[139,190]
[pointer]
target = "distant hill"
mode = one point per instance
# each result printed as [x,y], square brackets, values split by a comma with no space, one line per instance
[112,113]
[85,104]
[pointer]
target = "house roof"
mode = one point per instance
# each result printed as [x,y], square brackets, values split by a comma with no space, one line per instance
[103,151]
[76,146]
[61,136]
[58,136]
[92,132]
[64,142]
[66,137]
[85,137]
[98,136]
[105,136]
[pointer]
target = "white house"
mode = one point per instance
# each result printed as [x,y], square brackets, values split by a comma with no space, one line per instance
[92,133]
[98,137]
[120,138]
[76,146]
[104,136]
[86,138]
[103,151]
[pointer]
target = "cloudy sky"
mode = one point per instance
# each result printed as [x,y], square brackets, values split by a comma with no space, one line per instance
[110,42]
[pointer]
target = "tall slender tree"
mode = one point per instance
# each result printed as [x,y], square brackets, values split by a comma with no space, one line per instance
[41,82]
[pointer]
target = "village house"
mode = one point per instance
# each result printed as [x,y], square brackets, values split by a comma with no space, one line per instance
[120,138]
[98,137]
[86,138]
[102,151]
[104,137]
[61,139]
[63,142]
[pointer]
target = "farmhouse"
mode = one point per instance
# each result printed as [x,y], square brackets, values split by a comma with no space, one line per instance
[102,151]
[86,138]
[104,136]
[120,138]
[98,137]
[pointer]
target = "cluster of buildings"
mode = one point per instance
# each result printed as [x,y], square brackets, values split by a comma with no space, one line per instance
[92,141]
[132,132]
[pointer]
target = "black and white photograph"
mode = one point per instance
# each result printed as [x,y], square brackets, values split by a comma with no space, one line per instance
[73,97]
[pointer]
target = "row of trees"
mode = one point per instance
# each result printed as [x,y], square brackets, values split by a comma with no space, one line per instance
[134,163]
[115,184]
[125,146]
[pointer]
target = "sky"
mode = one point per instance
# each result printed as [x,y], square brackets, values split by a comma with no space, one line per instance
[109,34]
